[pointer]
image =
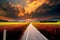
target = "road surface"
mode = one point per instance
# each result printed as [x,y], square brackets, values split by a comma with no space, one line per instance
[32,33]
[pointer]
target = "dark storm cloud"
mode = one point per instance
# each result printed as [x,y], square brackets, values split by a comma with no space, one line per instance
[9,11]
[51,10]
[21,2]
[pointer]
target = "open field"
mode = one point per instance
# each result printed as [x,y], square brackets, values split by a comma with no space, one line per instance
[50,30]
[15,30]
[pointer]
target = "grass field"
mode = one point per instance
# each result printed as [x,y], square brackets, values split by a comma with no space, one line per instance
[16,29]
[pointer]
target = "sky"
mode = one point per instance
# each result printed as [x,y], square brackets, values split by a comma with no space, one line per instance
[21,2]
[49,11]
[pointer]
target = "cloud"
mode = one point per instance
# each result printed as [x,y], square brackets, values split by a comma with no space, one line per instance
[48,9]
[9,10]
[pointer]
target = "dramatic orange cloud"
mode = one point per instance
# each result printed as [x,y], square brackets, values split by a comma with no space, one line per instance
[31,6]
